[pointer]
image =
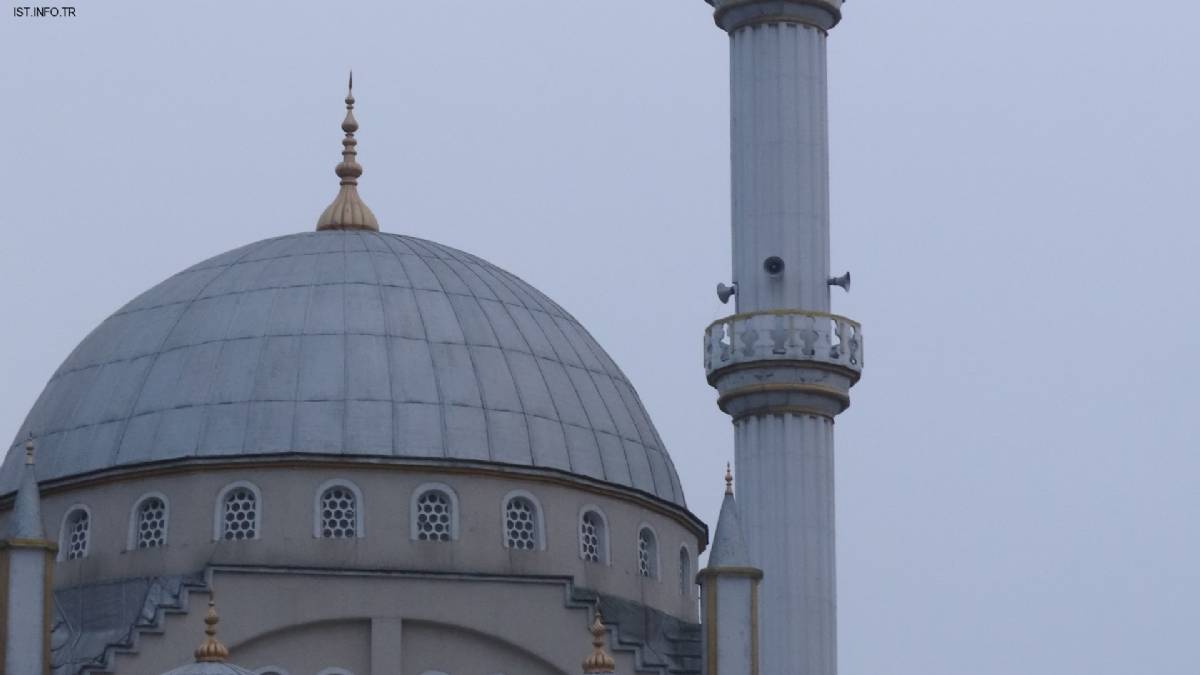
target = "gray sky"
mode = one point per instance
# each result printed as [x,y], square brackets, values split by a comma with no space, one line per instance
[1014,190]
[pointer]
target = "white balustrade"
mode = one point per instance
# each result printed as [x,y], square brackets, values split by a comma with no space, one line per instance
[783,336]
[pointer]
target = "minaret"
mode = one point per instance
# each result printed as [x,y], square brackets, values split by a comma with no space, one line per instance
[729,597]
[783,365]
[26,561]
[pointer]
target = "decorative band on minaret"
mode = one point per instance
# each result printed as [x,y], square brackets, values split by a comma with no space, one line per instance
[783,364]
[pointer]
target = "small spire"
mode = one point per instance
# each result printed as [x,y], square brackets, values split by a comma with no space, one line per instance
[348,212]
[598,661]
[211,650]
[728,547]
[26,519]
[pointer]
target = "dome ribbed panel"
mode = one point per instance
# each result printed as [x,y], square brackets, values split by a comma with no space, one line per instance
[354,343]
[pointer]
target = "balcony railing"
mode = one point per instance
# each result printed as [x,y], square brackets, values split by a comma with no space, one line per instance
[783,335]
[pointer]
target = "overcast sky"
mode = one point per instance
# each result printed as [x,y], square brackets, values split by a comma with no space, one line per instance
[1014,189]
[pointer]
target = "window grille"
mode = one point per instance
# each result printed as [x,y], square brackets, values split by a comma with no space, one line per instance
[240,514]
[521,525]
[151,523]
[75,535]
[591,537]
[435,514]
[339,513]
[647,553]
[685,571]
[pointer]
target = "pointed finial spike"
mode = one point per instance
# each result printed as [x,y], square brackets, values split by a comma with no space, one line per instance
[348,212]
[728,478]
[598,661]
[211,650]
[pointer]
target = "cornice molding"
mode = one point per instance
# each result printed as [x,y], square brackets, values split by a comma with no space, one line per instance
[295,460]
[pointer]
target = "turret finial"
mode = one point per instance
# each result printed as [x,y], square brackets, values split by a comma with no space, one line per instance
[211,650]
[728,478]
[598,661]
[29,450]
[348,212]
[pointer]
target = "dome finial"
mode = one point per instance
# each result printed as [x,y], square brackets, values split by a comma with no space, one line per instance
[348,212]
[728,478]
[598,661]
[29,450]
[211,650]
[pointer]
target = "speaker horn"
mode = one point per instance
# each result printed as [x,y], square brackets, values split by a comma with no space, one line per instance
[843,281]
[725,292]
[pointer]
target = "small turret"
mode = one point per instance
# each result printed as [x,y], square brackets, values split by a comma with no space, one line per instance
[25,594]
[729,596]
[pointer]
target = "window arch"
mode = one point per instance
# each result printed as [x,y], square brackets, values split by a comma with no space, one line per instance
[685,570]
[521,517]
[74,536]
[148,521]
[647,548]
[593,535]
[434,513]
[238,514]
[338,512]
[271,670]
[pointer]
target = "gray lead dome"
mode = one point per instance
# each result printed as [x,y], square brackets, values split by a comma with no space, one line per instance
[347,343]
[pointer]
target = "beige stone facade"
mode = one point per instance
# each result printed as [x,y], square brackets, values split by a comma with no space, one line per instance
[383,600]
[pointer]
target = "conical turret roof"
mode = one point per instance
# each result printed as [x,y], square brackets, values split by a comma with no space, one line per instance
[26,520]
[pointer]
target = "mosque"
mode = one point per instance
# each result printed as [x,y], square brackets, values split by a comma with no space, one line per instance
[350,452]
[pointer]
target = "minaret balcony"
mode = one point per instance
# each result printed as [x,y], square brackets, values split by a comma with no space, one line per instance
[783,335]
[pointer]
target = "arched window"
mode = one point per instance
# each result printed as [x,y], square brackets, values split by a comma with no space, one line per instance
[522,517]
[647,552]
[434,513]
[338,511]
[75,533]
[239,512]
[271,670]
[148,522]
[685,570]
[593,535]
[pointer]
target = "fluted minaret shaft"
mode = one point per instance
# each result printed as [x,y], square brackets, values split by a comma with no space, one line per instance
[783,365]
[780,166]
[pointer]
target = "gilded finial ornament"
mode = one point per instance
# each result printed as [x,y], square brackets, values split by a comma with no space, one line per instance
[211,650]
[348,212]
[728,478]
[598,661]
